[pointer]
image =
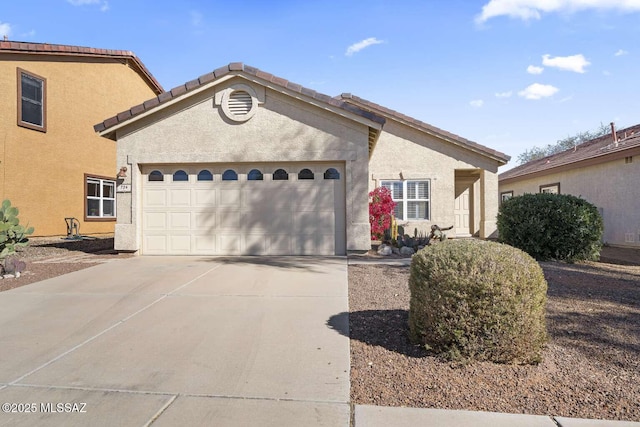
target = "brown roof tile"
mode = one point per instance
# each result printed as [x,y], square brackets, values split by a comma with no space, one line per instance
[222,71]
[58,49]
[596,148]
[423,126]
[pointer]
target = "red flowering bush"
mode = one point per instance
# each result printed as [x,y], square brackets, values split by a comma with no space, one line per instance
[381,207]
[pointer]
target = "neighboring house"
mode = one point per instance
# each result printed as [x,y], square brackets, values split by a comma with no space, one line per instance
[52,164]
[604,171]
[243,162]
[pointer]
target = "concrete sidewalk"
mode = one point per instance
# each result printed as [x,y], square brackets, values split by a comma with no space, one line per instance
[173,341]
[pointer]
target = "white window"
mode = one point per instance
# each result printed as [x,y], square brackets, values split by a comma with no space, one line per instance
[101,198]
[412,199]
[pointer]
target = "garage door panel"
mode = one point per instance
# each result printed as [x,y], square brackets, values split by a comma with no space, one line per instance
[155,220]
[245,217]
[230,197]
[326,244]
[180,197]
[307,200]
[155,198]
[205,220]
[204,197]
[180,244]
[279,244]
[204,244]
[229,219]
[180,220]
[314,222]
[326,195]
[155,244]
[255,244]
[230,244]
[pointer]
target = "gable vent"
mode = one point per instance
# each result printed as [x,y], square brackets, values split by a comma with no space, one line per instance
[240,103]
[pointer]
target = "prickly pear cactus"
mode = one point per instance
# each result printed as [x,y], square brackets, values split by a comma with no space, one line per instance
[13,235]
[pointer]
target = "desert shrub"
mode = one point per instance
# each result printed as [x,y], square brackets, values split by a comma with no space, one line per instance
[552,226]
[13,235]
[478,300]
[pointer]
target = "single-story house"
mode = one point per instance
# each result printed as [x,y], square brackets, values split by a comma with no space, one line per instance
[52,164]
[240,161]
[604,171]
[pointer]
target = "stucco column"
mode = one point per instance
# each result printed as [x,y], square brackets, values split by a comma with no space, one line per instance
[488,204]
[358,227]
[125,231]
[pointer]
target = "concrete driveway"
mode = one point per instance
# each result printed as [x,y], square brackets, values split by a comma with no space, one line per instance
[168,341]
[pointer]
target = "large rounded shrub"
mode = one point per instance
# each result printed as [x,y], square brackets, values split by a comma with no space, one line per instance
[552,226]
[478,300]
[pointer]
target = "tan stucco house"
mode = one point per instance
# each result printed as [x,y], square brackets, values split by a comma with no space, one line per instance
[52,164]
[240,161]
[604,171]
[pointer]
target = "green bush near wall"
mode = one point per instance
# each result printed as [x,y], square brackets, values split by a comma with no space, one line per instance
[552,226]
[478,300]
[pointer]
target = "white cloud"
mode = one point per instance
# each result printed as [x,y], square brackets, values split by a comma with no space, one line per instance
[5,30]
[476,103]
[504,94]
[532,69]
[606,73]
[538,91]
[104,5]
[620,52]
[575,63]
[357,47]
[533,9]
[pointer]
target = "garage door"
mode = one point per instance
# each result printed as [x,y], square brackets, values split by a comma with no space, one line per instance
[240,209]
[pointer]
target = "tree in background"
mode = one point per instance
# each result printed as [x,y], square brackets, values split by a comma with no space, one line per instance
[562,144]
[381,207]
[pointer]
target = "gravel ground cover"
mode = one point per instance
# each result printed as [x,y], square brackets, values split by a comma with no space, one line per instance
[591,366]
[48,257]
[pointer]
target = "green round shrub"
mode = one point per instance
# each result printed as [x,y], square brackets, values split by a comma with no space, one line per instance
[478,300]
[552,226]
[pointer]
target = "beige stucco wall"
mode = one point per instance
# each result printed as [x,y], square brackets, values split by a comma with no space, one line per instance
[283,129]
[402,151]
[612,187]
[43,173]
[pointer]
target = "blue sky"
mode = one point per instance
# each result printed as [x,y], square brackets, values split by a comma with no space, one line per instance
[509,74]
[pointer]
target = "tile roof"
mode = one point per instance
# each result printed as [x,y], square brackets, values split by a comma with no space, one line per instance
[425,127]
[7,46]
[237,68]
[598,148]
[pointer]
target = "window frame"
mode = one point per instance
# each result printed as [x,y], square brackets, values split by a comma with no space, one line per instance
[181,174]
[227,177]
[555,185]
[205,175]
[306,174]
[101,180]
[506,195]
[276,176]
[331,173]
[405,199]
[252,175]
[21,122]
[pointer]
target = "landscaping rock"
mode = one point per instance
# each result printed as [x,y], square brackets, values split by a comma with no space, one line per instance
[406,250]
[385,250]
[395,250]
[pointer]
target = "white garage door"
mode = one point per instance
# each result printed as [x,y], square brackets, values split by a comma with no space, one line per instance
[240,209]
